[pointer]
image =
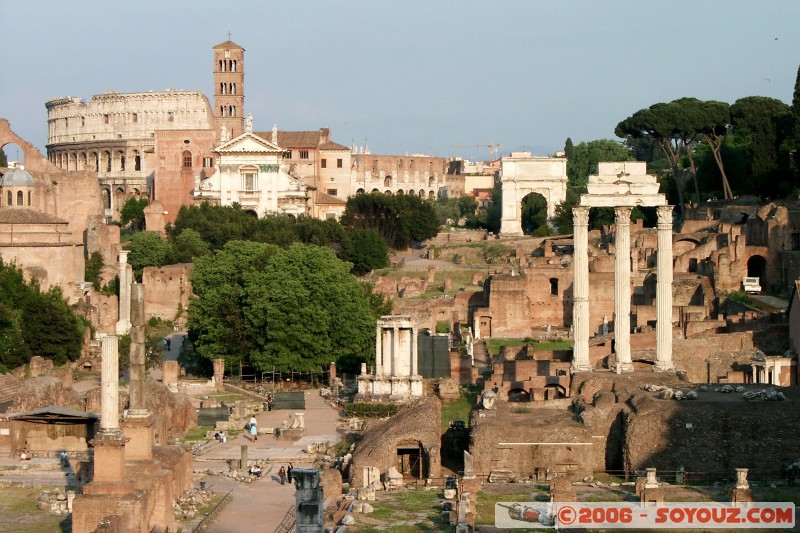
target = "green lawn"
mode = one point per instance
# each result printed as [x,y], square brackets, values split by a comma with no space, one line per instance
[18,513]
[459,410]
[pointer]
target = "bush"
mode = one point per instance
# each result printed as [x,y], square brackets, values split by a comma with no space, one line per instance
[370,410]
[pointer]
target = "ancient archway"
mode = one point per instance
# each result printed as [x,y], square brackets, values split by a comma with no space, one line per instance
[533,215]
[520,175]
[757,268]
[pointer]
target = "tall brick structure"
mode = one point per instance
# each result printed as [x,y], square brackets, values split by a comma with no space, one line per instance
[229,88]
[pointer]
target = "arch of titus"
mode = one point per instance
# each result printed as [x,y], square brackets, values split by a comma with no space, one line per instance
[522,174]
[622,186]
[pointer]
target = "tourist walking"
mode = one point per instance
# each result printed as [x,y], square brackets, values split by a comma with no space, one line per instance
[282,475]
[253,433]
[289,472]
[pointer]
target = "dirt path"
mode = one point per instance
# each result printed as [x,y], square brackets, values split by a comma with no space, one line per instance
[261,505]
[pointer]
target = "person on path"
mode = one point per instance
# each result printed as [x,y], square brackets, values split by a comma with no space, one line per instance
[289,472]
[253,433]
[282,475]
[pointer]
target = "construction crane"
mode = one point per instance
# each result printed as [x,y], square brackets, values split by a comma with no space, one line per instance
[494,148]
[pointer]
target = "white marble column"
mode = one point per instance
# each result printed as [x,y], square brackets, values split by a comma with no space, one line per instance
[664,290]
[379,351]
[109,385]
[580,291]
[414,353]
[776,373]
[395,351]
[124,322]
[622,289]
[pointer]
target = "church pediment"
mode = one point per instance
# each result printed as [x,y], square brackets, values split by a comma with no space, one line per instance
[249,143]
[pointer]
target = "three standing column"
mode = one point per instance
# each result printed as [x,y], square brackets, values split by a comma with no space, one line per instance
[622,290]
[664,290]
[580,291]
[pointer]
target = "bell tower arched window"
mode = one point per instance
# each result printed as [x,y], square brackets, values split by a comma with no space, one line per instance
[187,159]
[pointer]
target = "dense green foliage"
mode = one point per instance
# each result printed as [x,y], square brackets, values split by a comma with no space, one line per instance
[3,159]
[133,212]
[93,269]
[33,322]
[586,155]
[533,215]
[147,248]
[297,308]
[400,219]
[366,251]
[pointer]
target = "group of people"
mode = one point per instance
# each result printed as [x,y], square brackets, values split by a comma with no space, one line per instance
[285,473]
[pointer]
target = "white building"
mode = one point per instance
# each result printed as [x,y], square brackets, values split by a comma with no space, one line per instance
[251,172]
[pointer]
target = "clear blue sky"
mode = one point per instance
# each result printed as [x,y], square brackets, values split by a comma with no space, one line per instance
[415,76]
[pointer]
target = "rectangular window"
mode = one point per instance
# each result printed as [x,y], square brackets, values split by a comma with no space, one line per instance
[249,182]
[208,162]
[332,192]
[324,163]
[136,117]
[338,163]
[105,118]
[287,154]
[303,154]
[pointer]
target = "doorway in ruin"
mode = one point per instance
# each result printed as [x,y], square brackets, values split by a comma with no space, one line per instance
[411,460]
[757,268]
[554,392]
[519,395]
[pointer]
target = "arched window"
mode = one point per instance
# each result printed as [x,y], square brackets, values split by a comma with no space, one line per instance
[108,161]
[222,65]
[20,198]
[222,111]
[222,88]
[10,199]
[187,159]
[137,161]
[29,198]
[122,161]
[233,88]
[387,182]
[233,110]
[233,66]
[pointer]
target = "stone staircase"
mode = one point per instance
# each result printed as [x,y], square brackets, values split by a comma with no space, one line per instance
[481,356]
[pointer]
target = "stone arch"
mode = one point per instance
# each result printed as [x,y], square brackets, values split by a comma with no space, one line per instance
[533,213]
[682,246]
[375,190]
[388,192]
[14,153]
[387,181]
[251,212]
[360,191]
[28,155]
[520,176]
[105,198]
[412,459]
[519,395]
[400,192]
[757,268]
[554,391]
[432,195]
[422,193]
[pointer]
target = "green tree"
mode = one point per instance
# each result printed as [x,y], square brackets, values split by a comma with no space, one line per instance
[562,219]
[366,251]
[147,248]
[133,212]
[586,156]
[761,126]
[569,148]
[400,219]
[185,246]
[3,159]
[297,308]
[93,269]
[51,329]
[533,215]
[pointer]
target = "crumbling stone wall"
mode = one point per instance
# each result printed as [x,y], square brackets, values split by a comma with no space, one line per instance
[420,422]
[167,290]
[715,434]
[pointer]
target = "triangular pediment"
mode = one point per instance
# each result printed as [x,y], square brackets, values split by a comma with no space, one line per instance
[248,142]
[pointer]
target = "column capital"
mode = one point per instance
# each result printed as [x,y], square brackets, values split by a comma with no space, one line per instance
[664,214]
[580,215]
[622,215]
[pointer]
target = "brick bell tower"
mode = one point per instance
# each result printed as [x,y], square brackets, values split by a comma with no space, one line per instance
[229,88]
